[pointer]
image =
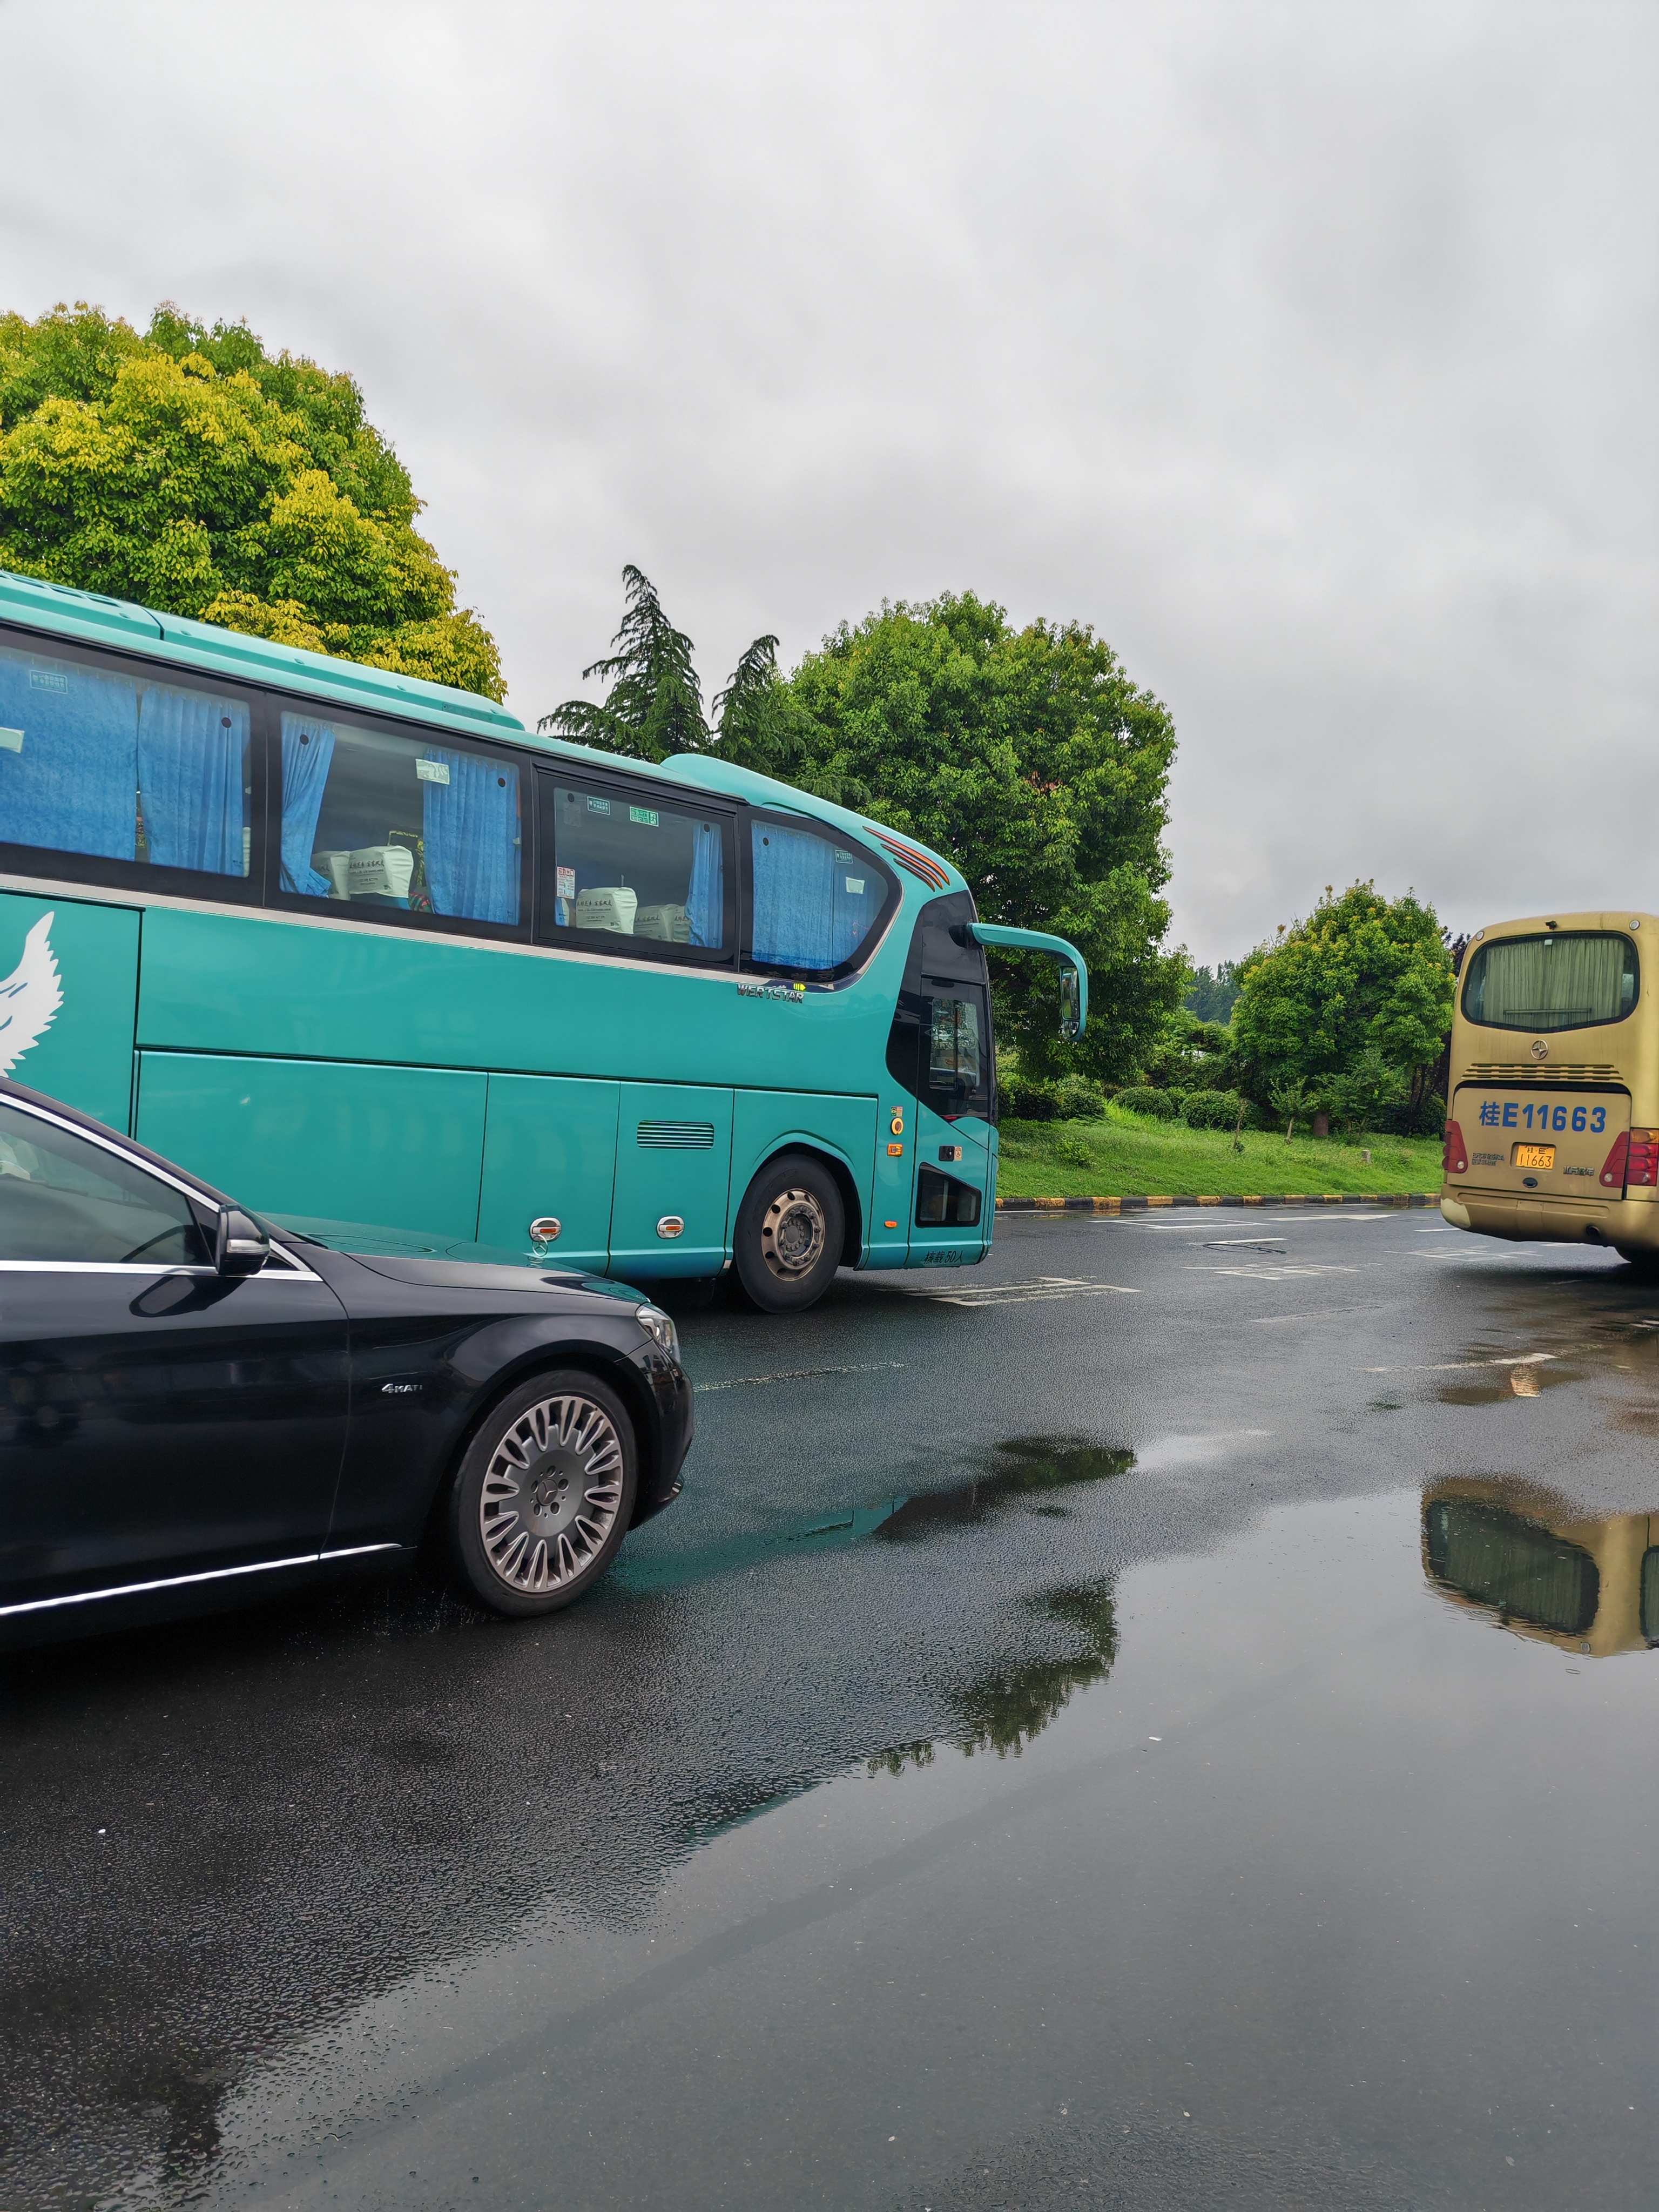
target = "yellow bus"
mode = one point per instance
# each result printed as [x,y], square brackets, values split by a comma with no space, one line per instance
[1553,1120]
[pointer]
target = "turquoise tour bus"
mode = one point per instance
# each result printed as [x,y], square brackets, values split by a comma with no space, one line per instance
[396,971]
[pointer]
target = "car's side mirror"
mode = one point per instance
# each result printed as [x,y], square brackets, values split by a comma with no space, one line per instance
[240,1247]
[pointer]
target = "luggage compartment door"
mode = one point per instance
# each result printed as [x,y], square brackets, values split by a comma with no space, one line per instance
[549,1155]
[673,1166]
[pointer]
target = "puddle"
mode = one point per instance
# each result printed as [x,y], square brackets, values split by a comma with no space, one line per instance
[1003,1711]
[1530,1562]
[1022,1467]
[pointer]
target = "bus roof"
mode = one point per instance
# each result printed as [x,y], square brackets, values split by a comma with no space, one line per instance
[97,618]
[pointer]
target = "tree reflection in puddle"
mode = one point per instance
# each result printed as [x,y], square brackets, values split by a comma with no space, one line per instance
[1004,1710]
[1021,1468]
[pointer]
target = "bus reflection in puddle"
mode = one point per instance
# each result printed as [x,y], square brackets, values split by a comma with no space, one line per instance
[1529,1562]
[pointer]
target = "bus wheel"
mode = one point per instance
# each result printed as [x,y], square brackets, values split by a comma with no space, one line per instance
[789,1233]
[544,1498]
[1642,1258]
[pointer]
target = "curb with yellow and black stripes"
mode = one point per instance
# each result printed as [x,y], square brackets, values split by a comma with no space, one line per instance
[1285,1198]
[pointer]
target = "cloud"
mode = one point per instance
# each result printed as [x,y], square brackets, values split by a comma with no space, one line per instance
[1304,350]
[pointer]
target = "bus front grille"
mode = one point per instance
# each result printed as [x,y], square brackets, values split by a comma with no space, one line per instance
[676,1136]
[1532,1070]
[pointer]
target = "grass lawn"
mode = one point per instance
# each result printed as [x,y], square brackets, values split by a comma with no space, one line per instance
[1131,1156]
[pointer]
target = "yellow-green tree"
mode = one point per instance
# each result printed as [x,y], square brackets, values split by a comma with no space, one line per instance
[188,468]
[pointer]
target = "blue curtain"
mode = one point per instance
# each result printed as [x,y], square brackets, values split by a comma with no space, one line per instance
[471,827]
[705,899]
[68,756]
[807,911]
[307,750]
[192,751]
[794,898]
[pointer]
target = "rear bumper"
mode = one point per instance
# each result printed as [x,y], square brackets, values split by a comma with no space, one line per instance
[1631,1224]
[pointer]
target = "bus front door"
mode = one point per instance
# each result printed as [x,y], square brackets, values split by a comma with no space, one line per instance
[673,1167]
[954,1193]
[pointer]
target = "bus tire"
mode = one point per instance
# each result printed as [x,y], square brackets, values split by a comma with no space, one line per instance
[541,1500]
[1642,1258]
[788,1241]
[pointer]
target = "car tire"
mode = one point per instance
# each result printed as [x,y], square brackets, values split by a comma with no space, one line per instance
[789,1233]
[541,1500]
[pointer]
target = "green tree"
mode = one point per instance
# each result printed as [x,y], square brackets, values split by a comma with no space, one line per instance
[653,706]
[1361,988]
[191,471]
[1031,760]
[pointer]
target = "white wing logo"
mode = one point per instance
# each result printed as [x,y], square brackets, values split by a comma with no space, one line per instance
[30,996]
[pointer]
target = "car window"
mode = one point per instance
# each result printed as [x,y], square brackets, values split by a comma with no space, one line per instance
[62,1197]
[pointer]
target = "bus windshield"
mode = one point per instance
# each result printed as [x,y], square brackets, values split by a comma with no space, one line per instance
[1570,981]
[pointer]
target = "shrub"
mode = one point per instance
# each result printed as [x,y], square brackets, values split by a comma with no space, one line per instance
[1074,1153]
[1211,1109]
[1032,1098]
[1078,1099]
[1142,1098]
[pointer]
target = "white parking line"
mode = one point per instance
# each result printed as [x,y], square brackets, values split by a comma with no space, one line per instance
[1269,1274]
[1019,1294]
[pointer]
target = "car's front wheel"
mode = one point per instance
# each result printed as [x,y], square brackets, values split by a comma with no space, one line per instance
[543,1497]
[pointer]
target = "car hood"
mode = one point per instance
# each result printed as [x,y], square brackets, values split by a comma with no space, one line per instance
[475,1275]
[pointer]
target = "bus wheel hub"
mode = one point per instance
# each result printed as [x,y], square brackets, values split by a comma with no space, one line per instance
[791,1233]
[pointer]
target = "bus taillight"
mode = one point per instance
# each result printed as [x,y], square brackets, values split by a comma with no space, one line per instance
[1455,1159]
[1641,1162]
[1613,1168]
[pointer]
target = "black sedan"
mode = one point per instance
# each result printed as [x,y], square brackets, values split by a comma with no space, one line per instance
[194,1405]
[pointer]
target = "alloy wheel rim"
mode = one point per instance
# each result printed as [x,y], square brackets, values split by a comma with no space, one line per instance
[551,1494]
[792,1234]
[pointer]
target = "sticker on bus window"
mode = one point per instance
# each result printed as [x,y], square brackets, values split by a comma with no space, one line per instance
[11,741]
[599,806]
[564,882]
[855,885]
[47,680]
[646,814]
[431,771]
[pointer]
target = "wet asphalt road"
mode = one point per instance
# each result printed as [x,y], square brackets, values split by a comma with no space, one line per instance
[1031,1766]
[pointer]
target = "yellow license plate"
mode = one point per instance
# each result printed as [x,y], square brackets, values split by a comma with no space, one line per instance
[1532,1156]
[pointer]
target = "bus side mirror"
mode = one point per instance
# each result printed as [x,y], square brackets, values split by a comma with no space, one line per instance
[240,1247]
[1071,1007]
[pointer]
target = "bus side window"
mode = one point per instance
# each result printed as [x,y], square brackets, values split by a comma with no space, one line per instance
[372,818]
[621,863]
[97,761]
[815,902]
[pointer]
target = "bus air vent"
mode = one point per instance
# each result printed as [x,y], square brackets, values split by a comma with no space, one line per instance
[676,1136]
[918,864]
[1525,1071]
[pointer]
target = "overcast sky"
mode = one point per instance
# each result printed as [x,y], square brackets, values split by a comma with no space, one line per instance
[1306,351]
